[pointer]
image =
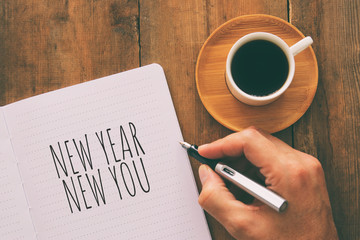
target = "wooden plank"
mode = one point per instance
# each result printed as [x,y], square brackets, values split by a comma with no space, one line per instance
[217,13]
[172,33]
[48,45]
[330,129]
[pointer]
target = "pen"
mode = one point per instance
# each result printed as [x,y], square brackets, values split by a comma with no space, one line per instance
[263,194]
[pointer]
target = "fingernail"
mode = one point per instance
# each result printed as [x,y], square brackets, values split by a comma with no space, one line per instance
[203,173]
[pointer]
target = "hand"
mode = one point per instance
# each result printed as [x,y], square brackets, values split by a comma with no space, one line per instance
[294,175]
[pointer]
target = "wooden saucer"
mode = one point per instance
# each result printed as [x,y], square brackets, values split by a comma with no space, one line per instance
[224,107]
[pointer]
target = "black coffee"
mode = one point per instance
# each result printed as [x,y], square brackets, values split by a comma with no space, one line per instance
[259,68]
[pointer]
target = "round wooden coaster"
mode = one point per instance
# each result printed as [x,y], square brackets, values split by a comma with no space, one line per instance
[226,109]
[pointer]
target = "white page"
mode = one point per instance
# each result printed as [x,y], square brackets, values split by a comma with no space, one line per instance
[140,98]
[15,221]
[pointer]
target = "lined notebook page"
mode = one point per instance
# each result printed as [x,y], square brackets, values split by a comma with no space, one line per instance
[118,137]
[15,222]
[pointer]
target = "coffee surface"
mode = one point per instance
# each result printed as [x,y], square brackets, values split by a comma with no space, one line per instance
[259,68]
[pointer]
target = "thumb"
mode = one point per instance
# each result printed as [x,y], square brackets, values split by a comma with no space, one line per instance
[217,200]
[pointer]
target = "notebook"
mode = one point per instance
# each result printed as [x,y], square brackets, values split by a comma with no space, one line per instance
[98,160]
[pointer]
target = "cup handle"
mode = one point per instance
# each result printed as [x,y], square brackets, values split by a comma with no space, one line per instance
[300,45]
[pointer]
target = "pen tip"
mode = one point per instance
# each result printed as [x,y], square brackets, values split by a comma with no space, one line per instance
[185,145]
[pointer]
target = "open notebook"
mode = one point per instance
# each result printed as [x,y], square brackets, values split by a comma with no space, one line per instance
[98,160]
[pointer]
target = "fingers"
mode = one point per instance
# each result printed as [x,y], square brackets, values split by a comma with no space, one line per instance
[216,199]
[258,147]
[287,171]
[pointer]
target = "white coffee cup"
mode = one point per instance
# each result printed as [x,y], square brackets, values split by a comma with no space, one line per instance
[289,52]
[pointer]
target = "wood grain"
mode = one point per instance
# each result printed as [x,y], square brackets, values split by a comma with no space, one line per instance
[331,128]
[217,13]
[224,107]
[207,128]
[48,45]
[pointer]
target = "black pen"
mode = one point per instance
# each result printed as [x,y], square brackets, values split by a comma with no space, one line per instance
[263,194]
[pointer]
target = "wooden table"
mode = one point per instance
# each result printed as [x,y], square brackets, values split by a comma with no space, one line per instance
[46,45]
